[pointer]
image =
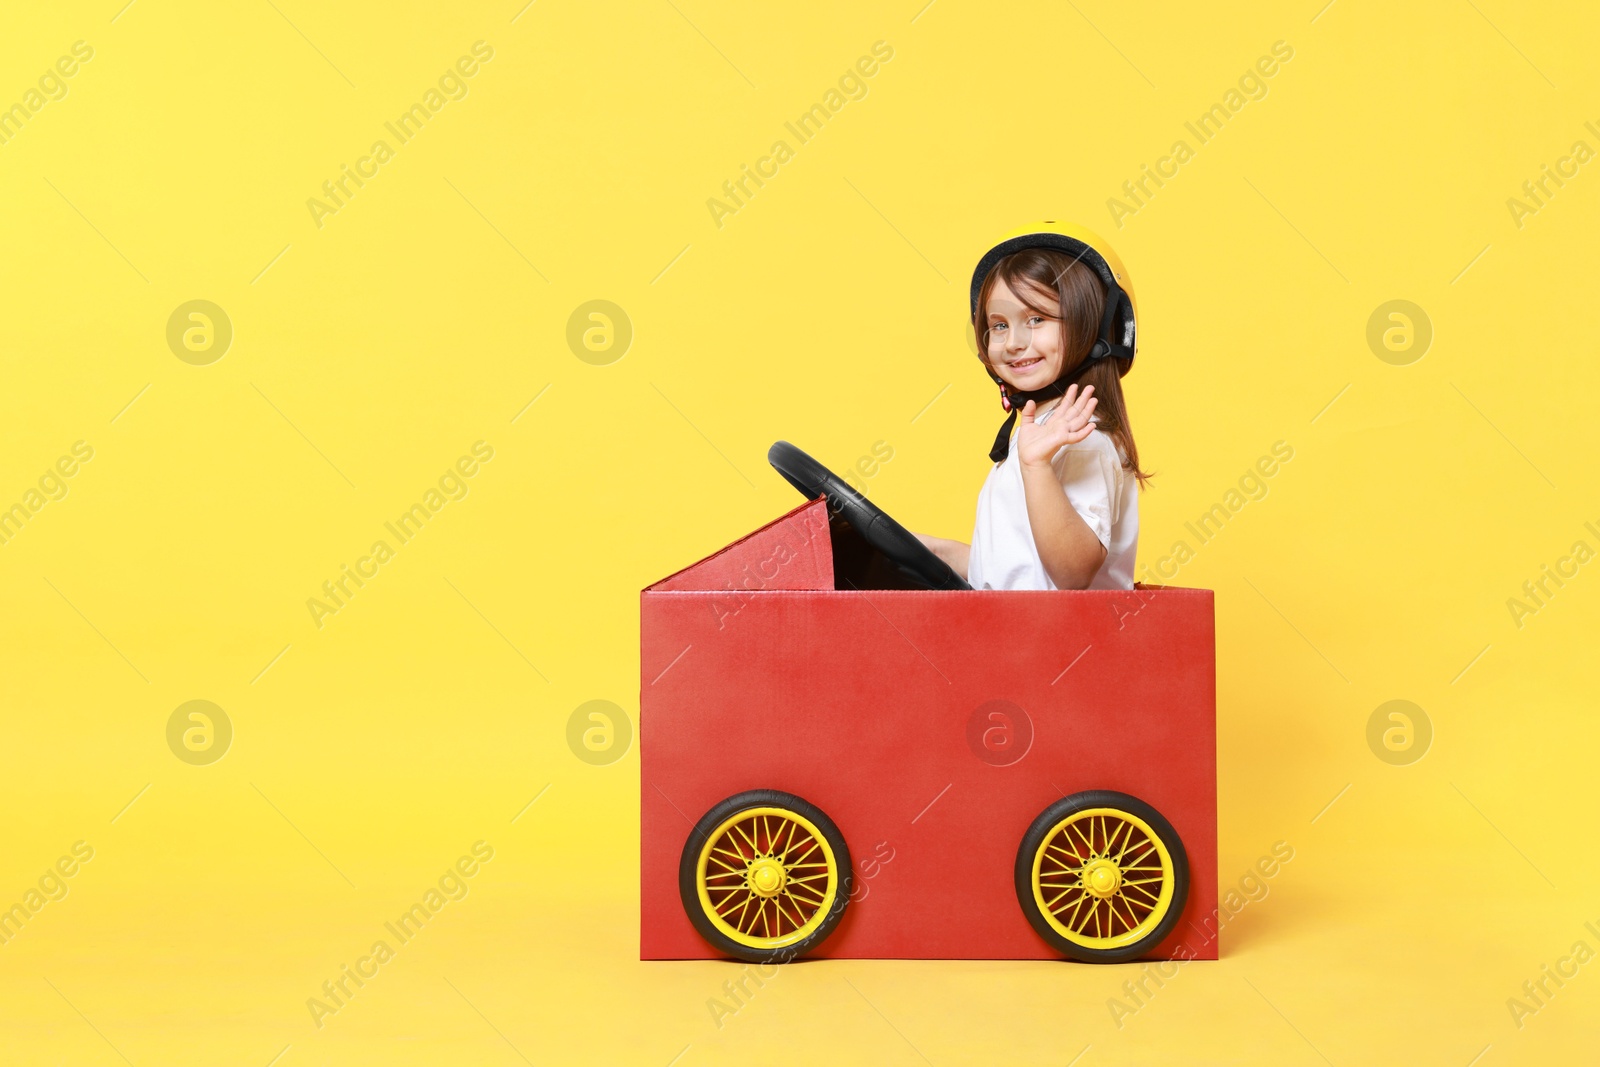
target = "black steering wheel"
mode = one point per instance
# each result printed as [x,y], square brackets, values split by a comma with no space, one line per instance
[899,546]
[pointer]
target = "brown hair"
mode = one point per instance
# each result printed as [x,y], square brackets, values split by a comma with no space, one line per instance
[1081,300]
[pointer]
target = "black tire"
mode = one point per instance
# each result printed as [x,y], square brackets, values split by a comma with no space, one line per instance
[830,907]
[1146,942]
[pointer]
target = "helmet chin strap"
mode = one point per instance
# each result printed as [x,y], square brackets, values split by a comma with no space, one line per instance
[1014,402]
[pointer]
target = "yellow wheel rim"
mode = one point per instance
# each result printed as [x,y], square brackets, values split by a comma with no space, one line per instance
[1102,878]
[767,877]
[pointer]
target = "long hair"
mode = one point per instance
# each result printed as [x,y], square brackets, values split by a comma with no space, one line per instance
[1080,301]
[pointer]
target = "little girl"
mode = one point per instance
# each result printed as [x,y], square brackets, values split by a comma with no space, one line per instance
[1052,310]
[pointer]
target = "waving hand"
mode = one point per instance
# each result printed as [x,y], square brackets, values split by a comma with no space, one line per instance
[1037,444]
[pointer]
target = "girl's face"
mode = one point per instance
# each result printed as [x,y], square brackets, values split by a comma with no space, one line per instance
[1025,346]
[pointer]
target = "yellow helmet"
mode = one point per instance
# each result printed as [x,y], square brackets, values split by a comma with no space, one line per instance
[1118,336]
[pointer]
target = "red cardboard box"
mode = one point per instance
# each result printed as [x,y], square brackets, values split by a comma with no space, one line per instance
[756,673]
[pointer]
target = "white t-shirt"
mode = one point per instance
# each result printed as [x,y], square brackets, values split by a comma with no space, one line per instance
[1104,494]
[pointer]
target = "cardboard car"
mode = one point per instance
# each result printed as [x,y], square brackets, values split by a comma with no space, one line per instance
[844,756]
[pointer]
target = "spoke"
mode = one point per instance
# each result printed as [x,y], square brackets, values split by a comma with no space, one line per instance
[1071,921]
[1154,899]
[1142,851]
[1088,844]
[1050,904]
[820,894]
[1127,838]
[753,918]
[1110,917]
[1073,864]
[808,877]
[739,829]
[798,919]
[728,905]
[1113,918]
[1145,851]
[789,842]
[777,917]
[806,906]
[1133,917]
[1158,879]
[1074,905]
[761,918]
[751,914]
[815,844]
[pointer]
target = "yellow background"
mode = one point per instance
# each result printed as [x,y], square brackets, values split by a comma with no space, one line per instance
[370,353]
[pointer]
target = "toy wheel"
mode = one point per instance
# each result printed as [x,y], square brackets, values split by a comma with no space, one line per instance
[765,876]
[1102,876]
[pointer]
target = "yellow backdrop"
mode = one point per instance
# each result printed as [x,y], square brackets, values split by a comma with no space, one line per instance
[285,280]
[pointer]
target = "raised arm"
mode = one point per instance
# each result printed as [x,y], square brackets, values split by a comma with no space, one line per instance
[1068,548]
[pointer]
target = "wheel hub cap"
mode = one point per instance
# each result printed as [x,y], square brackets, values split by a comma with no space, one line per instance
[766,877]
[1101,878]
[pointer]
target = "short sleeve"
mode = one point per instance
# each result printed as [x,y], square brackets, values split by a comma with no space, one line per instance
[1089,479]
